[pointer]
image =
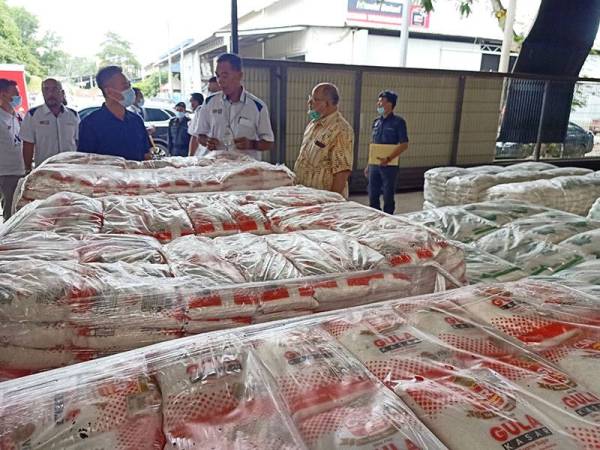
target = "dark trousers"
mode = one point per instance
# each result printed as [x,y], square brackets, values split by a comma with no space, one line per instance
[179,151]
[382,180]
[8,186]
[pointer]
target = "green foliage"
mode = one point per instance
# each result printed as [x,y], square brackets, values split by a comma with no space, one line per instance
[117,51]
[150,85]
[464,6]
[12,48]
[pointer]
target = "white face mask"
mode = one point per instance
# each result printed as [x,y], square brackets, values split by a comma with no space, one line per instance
[180,114]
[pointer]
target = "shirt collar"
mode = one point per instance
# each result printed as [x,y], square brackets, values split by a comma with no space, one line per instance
[127,116]
[328,119]
[242,97]
[47,111]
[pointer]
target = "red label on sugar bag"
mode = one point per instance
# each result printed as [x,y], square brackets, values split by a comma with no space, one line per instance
[545,332]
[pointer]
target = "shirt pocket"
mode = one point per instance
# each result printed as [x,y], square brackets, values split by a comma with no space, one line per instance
[390,136]
[246,128]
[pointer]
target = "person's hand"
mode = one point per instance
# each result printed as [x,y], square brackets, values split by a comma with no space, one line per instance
[366,172]
[384,161]
[243,143]
[151,130]
[212,144]
[148,156]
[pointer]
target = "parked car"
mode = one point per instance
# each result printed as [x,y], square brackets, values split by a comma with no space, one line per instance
[157,116]
[577,143]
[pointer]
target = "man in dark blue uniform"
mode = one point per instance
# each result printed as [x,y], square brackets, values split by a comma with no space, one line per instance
[113,130]
[177,133]
[387,129]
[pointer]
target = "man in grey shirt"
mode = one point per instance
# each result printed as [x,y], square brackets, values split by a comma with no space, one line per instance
[12,167]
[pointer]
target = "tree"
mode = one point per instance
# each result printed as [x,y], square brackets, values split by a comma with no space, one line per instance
[117,51]
[464,6]
[150,85]
[12,47]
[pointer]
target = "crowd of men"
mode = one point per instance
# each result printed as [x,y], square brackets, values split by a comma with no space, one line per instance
[230,118]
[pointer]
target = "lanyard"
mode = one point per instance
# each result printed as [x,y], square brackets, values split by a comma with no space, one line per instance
[231,121]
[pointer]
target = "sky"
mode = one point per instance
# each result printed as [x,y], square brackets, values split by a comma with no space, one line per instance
[153,26]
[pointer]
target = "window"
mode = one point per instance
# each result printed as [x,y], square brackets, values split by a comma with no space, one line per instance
[155,115]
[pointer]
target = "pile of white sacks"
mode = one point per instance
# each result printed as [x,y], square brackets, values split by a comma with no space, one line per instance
[83,277]
[500,366]
[99,175]
[570,189]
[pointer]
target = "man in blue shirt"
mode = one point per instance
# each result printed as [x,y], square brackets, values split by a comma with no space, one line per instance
[112,130]
[387,129]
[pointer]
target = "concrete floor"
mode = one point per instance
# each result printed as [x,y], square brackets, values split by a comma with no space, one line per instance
[405,201]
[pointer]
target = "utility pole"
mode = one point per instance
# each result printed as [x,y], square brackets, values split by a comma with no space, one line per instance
[406,4]
[508,36]
[181,89]
[169,72]
[234,28]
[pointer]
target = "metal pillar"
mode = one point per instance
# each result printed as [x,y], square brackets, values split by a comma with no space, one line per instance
[406,4]
[508,36]
[234,28]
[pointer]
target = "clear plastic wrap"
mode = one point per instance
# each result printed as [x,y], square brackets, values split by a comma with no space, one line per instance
[94,175]
[483,267]
[159,216]
[499,366]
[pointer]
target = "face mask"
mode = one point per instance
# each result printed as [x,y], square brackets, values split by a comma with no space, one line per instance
[141,103]
[179,114]
[314,115]
[15,101]
[380,110]
[128,97]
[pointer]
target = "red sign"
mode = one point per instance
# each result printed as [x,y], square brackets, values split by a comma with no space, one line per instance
[387,12]
[16,73]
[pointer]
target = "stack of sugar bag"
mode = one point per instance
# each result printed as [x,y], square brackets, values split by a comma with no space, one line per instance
[108,274]
[570,189]
[510,365]
[97,175]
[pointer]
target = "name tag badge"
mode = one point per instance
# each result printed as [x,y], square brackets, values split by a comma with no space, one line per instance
[44,122]
[319,144]
[245,122]
[217,111]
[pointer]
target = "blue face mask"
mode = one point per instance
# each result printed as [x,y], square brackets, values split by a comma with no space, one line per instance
[314,115]
[15,102]
[380,110]
[128,97]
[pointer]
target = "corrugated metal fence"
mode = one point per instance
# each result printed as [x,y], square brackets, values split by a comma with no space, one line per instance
[452,117]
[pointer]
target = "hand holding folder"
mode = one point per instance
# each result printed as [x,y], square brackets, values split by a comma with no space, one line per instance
[377,152]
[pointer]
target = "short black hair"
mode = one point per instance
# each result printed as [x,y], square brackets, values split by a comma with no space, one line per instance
[390,96]
[105,74]
[212,80]
[5,84]
[137,91]
[234,61]
[198,97]
[180,104]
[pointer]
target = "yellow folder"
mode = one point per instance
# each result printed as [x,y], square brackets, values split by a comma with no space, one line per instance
[377,151]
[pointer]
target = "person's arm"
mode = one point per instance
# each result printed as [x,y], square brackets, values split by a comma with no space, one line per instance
[264,132]
[27,135]
[203,128]
[170,137]
[402,145]
[252,144]
[87,139]
[398,150]
[193,146]
[342,158]
[28,155]
[339,181]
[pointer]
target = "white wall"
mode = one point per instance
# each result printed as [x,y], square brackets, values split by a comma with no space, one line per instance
[285,13]
[337,45]
[423,53]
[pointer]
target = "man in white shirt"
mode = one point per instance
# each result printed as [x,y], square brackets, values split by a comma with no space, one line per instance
[234,118]
[196,101]
[49,129]
[11,150]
